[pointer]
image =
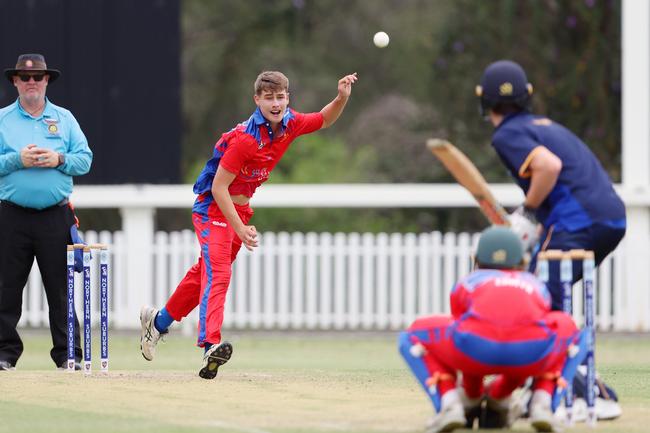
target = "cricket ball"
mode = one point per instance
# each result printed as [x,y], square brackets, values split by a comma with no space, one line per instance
[381,39]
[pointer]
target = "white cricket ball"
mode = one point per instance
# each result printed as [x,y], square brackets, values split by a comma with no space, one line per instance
[381,39]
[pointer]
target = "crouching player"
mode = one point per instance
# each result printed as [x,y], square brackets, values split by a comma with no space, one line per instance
[502,325]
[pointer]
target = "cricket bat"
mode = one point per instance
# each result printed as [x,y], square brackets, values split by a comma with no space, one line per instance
[466,174]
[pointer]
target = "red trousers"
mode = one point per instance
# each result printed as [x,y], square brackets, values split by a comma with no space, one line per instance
[206,283]
[442,357]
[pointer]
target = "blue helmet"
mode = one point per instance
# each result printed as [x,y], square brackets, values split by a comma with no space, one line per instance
[504,82]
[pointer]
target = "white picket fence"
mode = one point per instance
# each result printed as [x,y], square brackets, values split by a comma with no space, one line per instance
[318,281]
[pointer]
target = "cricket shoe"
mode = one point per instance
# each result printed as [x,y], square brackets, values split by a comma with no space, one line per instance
[541,416]
[606,409]
[6,366]
[216,356]
[607,406]
[149,336]
[451,415]
[64,366]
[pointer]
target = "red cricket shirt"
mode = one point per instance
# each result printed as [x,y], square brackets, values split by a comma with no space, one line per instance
[251,152]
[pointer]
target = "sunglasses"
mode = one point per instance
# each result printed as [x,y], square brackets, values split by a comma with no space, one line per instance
[25,77]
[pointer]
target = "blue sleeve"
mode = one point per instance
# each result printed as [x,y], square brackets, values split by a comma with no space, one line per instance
[78,156]
[9,161]
[515,149]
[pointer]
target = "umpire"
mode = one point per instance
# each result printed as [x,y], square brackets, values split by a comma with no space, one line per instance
[41,148]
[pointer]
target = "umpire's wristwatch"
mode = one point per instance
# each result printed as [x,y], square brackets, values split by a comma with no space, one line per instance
[61,159]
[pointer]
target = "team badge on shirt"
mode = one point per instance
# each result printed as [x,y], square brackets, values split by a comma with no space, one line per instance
[52,126]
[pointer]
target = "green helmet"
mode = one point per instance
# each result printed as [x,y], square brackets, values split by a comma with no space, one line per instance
[499,247]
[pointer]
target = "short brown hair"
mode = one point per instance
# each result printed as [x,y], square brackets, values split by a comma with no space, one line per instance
[272,81]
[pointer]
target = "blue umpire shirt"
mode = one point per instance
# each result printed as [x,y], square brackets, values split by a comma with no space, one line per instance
[583,195]
[55,129]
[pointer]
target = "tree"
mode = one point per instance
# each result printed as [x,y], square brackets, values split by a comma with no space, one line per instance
[421,85]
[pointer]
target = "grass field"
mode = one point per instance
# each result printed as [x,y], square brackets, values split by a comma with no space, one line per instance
[277,383]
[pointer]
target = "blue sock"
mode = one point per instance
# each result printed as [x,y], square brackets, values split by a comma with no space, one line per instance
[163,320]
[207,347]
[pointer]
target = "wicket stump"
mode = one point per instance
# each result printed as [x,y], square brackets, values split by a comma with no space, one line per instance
[87,324]
[566,259]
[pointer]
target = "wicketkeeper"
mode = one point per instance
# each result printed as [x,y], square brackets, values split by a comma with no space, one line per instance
[501,324]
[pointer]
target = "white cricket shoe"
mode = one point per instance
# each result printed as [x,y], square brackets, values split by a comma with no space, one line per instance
[541,416]
[606,409]
[149,336]
[578,410]
[451,415]
[216,356]
[6,366]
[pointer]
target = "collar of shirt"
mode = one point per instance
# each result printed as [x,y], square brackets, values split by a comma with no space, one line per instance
[510,116]
[48,110]
[257,120]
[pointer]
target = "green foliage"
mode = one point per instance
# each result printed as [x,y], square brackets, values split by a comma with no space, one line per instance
[421,85]
[571,53]
[316,158]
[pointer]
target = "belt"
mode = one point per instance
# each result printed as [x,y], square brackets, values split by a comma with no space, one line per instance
[7,203]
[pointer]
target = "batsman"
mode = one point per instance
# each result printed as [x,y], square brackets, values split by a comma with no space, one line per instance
[569,197]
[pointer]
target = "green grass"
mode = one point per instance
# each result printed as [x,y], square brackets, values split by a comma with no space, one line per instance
[276,382]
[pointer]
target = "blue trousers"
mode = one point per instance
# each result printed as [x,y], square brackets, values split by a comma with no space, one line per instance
[600,239]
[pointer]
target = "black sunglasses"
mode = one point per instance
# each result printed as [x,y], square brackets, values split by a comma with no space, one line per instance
[25,77]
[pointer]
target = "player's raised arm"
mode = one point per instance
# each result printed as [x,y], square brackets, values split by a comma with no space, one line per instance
[333,110]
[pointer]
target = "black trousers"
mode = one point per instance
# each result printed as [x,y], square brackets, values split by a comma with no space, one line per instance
[26,234]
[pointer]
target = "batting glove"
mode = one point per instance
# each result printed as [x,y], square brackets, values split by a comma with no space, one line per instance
[524,224]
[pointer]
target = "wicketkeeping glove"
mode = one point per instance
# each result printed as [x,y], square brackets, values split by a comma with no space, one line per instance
[524,224]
